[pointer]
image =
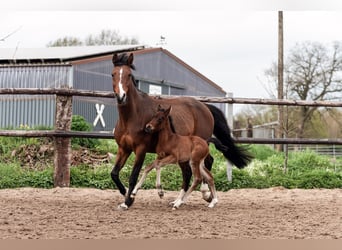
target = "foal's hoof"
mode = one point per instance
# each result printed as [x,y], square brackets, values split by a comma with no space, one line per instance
[207,196]
[122,207]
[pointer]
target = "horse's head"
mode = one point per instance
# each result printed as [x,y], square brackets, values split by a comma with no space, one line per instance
[122,76]
[159,120]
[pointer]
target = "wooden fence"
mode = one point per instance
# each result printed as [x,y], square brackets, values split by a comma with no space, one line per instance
[62,134]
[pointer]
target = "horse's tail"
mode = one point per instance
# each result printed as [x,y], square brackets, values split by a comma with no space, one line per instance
[218,145]
[237,155]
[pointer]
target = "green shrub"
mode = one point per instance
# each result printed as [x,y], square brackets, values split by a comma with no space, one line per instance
[320,179]
[80,124]
[262,152]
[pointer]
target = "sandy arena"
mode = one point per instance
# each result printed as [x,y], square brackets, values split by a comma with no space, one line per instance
[70,213]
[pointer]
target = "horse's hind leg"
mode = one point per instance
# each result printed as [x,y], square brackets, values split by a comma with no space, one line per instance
[206,194]
[186,173]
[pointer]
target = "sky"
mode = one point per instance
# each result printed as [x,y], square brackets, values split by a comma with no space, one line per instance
[230,42]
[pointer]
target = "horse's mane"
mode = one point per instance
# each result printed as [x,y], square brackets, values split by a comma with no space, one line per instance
[172,126]
[122,59]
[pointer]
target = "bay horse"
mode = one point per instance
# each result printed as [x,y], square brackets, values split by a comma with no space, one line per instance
[174,149]
[190,117]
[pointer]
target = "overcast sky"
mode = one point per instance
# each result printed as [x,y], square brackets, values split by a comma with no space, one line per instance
[231,43]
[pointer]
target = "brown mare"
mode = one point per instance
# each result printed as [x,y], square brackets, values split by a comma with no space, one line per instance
[190,117]
[172,149]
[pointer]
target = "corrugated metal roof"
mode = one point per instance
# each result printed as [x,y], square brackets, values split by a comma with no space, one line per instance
[61,53]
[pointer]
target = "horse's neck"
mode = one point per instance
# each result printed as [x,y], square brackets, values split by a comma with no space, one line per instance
[134,108]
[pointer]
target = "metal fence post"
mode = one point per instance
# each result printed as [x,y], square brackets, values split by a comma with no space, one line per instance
[230,124]
[62,156]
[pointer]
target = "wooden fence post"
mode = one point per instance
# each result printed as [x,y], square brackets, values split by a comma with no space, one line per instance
[62,157]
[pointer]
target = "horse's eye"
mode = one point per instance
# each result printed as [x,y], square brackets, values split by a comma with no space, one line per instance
[113,75]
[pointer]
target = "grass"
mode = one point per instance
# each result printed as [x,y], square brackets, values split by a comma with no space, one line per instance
[305,170]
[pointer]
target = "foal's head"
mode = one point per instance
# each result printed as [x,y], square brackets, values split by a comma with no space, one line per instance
[122,76]
[159,120]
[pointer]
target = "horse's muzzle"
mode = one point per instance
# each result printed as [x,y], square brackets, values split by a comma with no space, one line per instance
[148,129]
[121,99]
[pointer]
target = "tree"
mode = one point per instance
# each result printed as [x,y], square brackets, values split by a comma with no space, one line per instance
[65,41]
[105,37]
[109,37]
[312,72]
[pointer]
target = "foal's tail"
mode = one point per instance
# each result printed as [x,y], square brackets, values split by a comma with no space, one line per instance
[237,155]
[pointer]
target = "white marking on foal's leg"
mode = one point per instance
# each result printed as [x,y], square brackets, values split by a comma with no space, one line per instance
[206,194]
[138,185]
[158,185]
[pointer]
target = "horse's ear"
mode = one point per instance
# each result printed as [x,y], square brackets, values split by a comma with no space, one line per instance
[159,108]
[115,57]
[130,59]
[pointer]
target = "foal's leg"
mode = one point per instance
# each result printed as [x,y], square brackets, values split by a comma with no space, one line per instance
[210,180]
[158,184]
[142,179]
[197,180]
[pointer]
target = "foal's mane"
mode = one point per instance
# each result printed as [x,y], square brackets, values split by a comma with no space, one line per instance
[172,126]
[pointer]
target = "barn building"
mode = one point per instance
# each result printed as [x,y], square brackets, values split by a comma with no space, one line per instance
[158,71]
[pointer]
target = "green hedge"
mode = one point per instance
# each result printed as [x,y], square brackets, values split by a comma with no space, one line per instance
[305,170]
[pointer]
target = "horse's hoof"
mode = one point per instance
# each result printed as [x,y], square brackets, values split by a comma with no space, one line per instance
[174,208]
[172,203]
[161,194]
[213,203]
[177,204]
[129,200]
[122,207]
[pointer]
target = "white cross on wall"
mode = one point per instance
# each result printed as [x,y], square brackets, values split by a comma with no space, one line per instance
[99,110]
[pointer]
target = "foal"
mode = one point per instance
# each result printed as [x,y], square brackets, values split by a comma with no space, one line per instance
[173,148]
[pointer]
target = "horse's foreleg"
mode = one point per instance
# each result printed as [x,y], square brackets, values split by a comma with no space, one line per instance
[121,159]
[139,160]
